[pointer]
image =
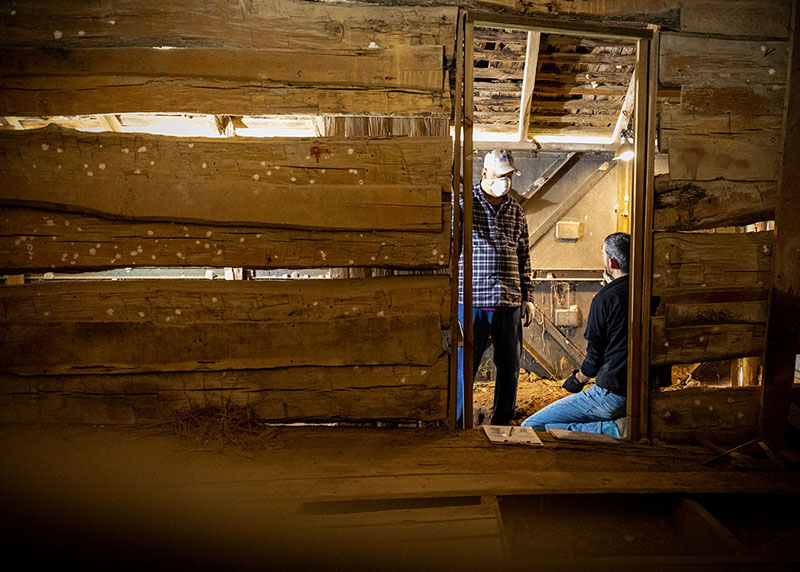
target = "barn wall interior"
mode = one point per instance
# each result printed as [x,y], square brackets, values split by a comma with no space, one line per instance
[79,202]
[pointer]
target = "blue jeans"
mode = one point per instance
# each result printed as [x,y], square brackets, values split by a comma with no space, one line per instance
[590,411]
[505,328]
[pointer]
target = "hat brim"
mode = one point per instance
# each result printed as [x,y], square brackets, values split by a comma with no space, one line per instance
[509,169]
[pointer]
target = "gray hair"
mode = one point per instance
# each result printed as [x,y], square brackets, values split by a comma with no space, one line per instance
[618,246]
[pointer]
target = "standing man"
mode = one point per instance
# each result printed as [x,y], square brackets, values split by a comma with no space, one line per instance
[600,408]
[502,284]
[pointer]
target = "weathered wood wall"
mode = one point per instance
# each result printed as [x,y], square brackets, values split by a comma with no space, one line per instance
[124,352]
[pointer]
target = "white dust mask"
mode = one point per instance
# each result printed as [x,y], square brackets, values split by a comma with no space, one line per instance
[500,187]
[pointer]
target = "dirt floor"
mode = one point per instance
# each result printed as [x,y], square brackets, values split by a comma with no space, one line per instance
[533,393]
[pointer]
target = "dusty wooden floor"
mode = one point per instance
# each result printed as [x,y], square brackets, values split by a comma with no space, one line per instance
[323,497]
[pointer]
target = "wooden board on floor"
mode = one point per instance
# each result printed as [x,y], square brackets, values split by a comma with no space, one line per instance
[85,81]
[704,261]
[694,205]
[38,240]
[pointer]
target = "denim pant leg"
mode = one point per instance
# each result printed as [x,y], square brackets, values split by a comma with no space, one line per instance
[507,340]
[481,329]
[592,404]
[609,428]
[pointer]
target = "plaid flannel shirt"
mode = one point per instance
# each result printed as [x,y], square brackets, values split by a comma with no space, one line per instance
[501,262]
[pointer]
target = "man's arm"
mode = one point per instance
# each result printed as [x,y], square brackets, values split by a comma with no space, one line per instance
[525,273]
[595,351]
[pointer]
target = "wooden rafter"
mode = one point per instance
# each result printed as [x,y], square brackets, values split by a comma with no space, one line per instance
[565,205]
[110,123]
[625,113]
[551,175]
[528,82]
[14,122]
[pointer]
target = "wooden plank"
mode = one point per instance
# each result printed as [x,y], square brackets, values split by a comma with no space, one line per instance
[783,323]
[82,81]
[740,99]
[718,415]
[281,395]
[693,344]
[686,59]
[684,262]
[156,301]
[264,24]
[676,121]
[564,206]
[317,207]
[703,531]
[269,160]
[34,240]
[112,347]
[762,18]
[740,312]
[739,157]
[694,205]
[528,83]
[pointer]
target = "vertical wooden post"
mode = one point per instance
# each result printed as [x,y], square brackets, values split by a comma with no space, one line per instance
[750,368]
[783,319]
[641,241]
[469,46]
[455,251]
[528,82]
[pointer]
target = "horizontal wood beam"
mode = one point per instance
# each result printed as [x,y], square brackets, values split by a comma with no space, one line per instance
[35,240]
[705,342]
[695,205]
[277,24]
[85,81]
[282,395]
[721,416]
[699,262]
[689,59]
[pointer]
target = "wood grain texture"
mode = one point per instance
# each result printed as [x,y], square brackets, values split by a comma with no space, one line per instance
[751,157]
[739,312]
[183,326]
[84,81]
[306,183]
[686,59]
[185,302]
[258,24]
[706,342]
[674,120]
[39,240]
[283,394]
[722,416]
[685,262]
[760,18]
[741,99]
[694,205]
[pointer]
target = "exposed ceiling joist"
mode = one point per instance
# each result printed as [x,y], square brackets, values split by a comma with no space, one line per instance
[528,82]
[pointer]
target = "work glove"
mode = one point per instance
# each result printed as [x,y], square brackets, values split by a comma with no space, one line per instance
[572,384]
[527,313]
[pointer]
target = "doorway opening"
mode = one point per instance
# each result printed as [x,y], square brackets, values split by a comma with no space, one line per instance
[573,106]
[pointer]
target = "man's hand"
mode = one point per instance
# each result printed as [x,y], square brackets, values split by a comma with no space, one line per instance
[527,313]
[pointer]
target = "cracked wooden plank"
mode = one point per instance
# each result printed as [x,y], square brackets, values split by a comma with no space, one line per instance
[694,205]
[35,240]
[257,24]
[109,347]
[185,302]
[85,81]
[726,415]
[282,395]
[705,342]
[684,262]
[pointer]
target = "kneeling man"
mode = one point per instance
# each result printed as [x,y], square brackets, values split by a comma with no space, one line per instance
[601,407]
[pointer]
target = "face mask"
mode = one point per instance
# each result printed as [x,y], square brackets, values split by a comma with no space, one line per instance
[499,187]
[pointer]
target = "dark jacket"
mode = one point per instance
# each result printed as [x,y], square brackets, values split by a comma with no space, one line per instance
[607,334]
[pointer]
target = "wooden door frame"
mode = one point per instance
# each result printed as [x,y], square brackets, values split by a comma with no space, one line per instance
[641,204]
